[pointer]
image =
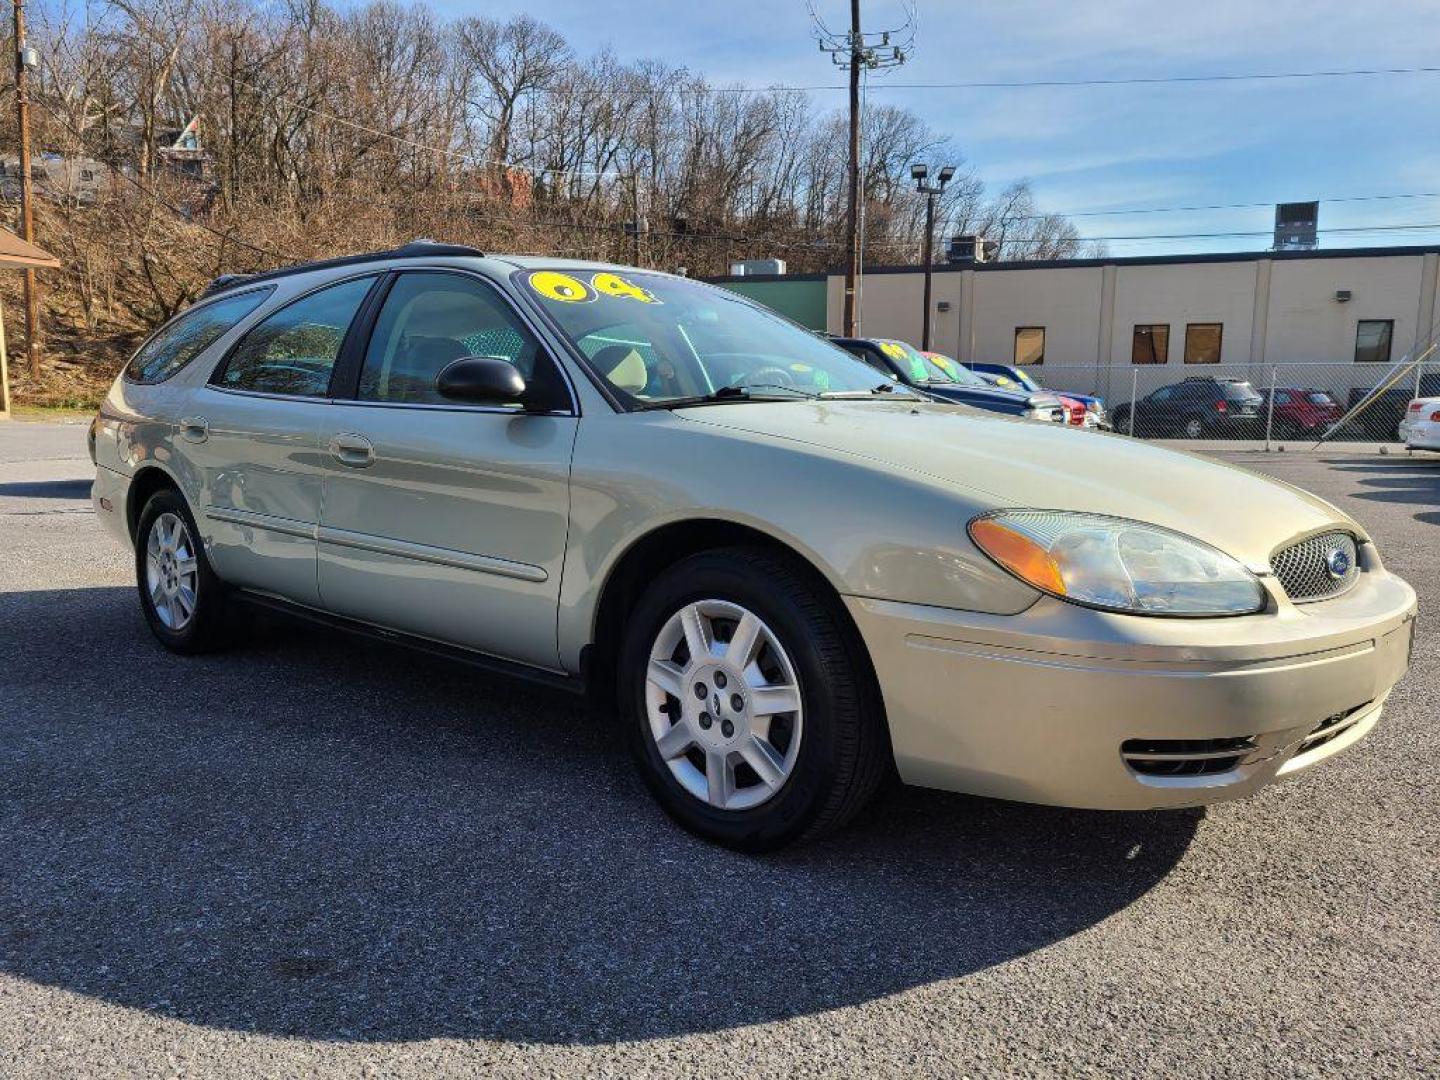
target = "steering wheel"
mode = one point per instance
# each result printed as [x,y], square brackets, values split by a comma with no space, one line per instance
[766,376]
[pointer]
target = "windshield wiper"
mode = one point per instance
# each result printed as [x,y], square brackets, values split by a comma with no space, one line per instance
[865,395]
[732,393]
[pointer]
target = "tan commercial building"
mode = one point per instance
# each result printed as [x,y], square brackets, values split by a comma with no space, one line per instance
[1089,322]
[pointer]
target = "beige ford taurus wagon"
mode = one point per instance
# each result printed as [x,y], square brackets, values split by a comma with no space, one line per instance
[792,576]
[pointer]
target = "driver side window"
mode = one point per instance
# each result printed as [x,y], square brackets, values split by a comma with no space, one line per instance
[430,320]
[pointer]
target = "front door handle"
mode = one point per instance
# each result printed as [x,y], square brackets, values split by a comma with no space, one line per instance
[194,428]
[354,450]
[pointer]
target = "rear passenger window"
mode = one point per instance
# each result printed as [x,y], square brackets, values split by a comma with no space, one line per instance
[429,321]
[187,336]
[293,351]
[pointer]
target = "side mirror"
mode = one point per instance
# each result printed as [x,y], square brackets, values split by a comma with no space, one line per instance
[484,380]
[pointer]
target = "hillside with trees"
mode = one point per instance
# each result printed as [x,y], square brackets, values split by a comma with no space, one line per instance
[325,130]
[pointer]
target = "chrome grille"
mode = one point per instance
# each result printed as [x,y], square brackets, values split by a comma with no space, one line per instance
[1308,570]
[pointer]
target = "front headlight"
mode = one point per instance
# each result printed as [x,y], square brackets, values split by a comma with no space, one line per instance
[1115,564]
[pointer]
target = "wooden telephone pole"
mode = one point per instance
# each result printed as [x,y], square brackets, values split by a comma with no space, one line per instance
[23,63]
[858,52]
[852,209]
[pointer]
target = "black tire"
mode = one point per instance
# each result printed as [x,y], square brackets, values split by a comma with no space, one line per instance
[844,754]
[208,625]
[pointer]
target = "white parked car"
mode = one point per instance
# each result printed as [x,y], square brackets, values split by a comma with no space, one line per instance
[1420,430]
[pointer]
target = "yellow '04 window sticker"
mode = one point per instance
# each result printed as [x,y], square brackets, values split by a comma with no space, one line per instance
[553,285]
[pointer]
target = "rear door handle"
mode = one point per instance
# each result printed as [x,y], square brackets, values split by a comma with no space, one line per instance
[194,428]
[354,450]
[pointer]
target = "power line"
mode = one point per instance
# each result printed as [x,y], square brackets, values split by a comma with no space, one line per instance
[1219,206]
[1025,84]
[1345,230]
[1153,80]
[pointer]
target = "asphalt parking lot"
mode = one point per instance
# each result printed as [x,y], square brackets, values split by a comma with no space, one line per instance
[323,857]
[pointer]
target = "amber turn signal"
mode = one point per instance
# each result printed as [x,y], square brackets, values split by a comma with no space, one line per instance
[1022,556]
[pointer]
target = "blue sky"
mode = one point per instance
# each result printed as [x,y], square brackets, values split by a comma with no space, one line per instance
[1109,148]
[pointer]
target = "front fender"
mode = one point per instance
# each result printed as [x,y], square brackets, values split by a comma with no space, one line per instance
[871,531]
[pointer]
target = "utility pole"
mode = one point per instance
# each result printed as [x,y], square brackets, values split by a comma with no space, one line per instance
[639,226]
[852,210]
[857,52]
[25,59]
[920,173]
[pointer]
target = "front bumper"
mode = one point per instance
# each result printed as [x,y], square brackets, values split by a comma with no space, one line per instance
[1062,705]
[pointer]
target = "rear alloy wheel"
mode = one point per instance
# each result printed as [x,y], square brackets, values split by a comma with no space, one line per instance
[1194,428]
[183,600]
[751,706]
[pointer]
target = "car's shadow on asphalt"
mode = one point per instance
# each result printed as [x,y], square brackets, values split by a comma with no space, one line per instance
[328,839]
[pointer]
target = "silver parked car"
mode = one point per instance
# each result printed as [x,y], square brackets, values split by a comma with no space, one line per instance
[794,577]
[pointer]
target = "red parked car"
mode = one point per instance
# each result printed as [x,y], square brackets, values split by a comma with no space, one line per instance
[1074,411]
[1302,411]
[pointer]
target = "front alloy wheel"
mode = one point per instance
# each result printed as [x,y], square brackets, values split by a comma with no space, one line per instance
[749,699]
[724,704]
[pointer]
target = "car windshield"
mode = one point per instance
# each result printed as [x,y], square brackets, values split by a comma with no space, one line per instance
[1240,391]
[1024,379]
[1319,397]
[659,340]
[928,367]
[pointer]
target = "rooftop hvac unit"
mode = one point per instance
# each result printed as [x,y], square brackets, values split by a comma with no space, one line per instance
[1296,226]
[971,249]
[752,267]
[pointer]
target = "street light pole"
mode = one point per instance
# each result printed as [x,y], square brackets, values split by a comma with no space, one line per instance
[920,174]
[929,267]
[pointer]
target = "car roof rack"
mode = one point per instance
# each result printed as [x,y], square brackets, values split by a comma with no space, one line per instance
[422,248]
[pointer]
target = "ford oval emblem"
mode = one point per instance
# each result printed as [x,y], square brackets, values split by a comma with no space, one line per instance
[1337,563]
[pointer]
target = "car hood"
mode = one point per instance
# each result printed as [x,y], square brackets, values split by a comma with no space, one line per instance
[1019,398]
[998,462]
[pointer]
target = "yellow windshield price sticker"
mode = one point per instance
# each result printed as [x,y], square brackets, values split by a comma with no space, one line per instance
[943,363]
[554,285]
[614,285]
[893,350]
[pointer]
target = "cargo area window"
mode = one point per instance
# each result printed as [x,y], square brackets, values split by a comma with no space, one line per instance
[1202,342]
[185,337]
[1029,345]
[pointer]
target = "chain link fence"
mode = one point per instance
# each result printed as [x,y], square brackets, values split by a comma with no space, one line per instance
[1282,402]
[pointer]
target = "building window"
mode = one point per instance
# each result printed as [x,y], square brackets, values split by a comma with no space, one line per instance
[1202,343]
[1029,345]
[1151,344]
[1372,340]
[86,175]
